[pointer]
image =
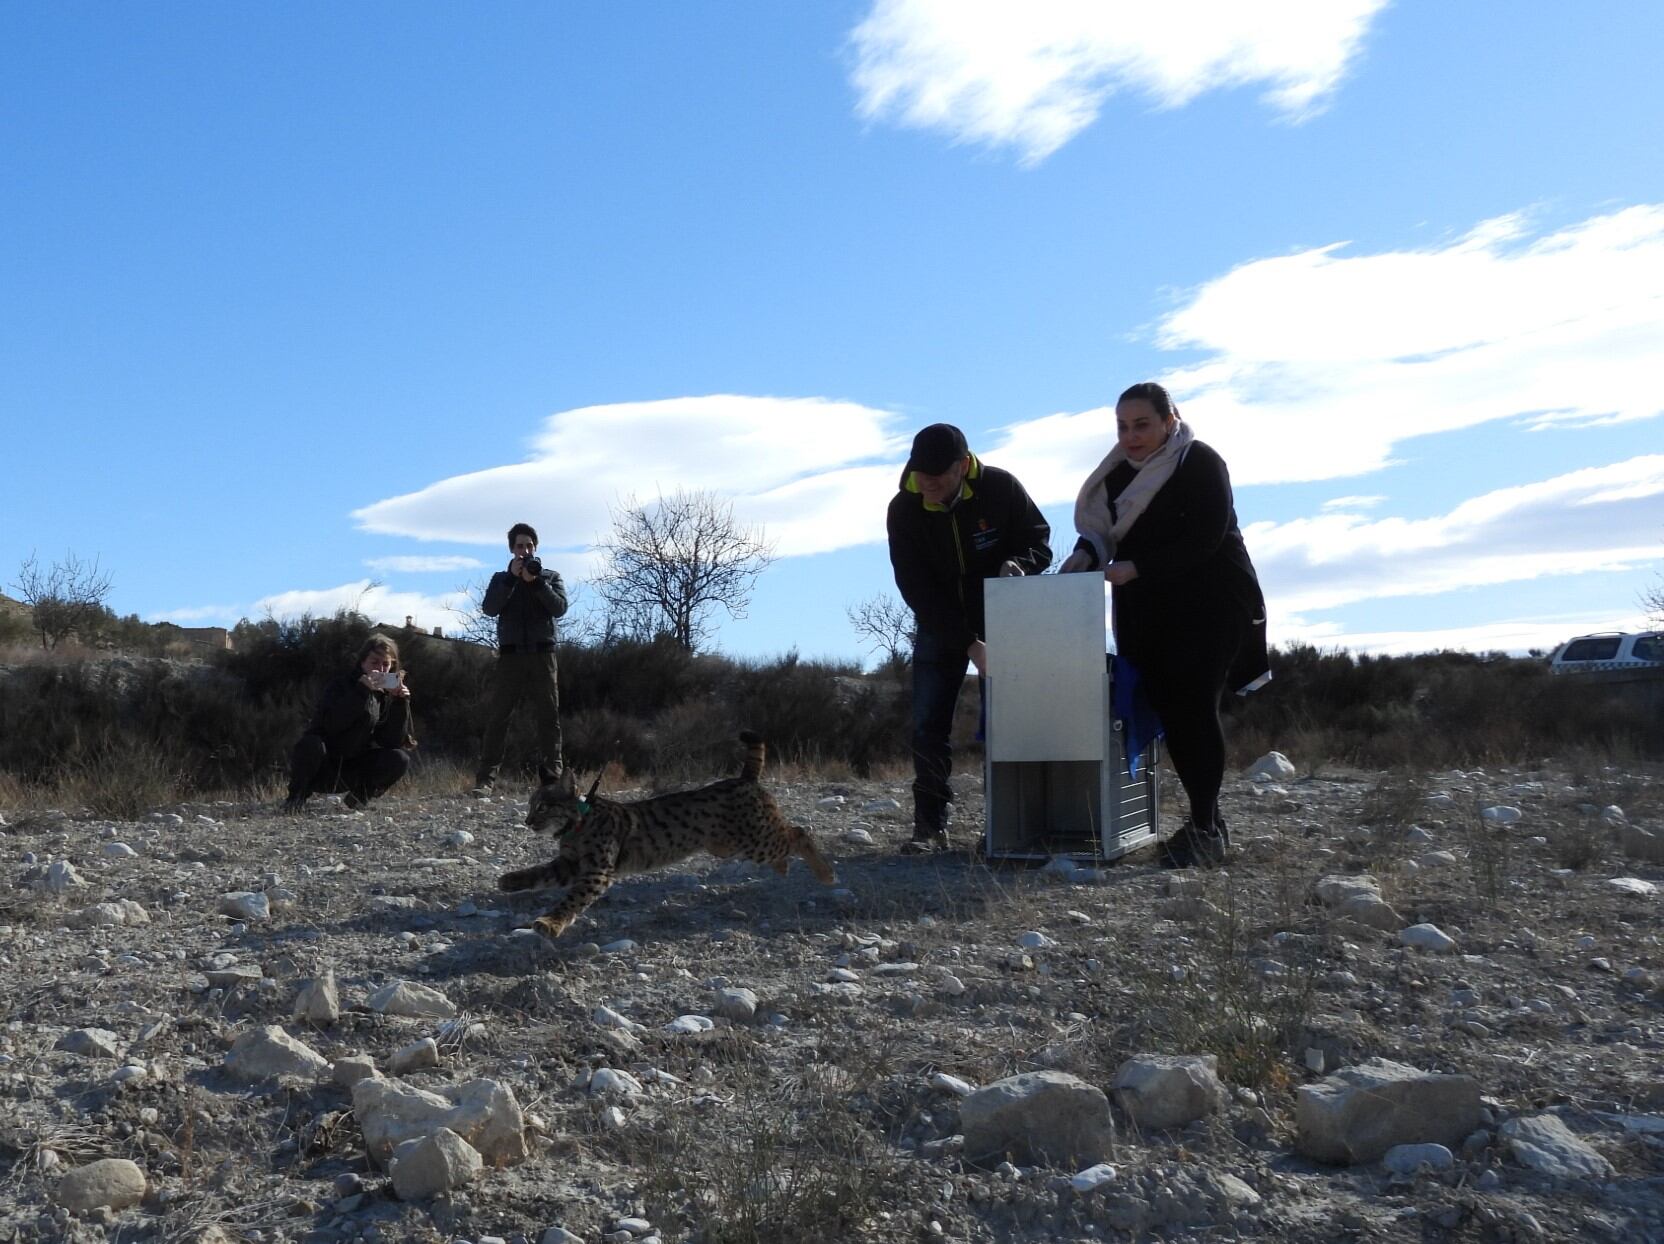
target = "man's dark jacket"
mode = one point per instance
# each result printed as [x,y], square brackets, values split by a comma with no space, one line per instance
[351,719]
[525,612]
[941,554]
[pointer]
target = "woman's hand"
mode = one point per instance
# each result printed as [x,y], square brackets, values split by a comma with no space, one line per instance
[1077,561]
[400,692]
[978,652]
[1009,569]
[1121,572]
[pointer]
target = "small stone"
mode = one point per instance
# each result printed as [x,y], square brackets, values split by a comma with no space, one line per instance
[560,1235]
[415,1056]
[606,1017]
[622,946]
[1502,814]
[610,1082]
[433,1165]
[1271,767]
[319,1000]
[1427,937]
[737,1005]
[269,1051]
[245,905]
[110,1183]
[1633,885]
[856,836]
[1545,1144]
[119,851]
[60,876]
[874,806]
[684,1025]
[410,999]
[1163,1091]
[458,838]
[349,1070]
[950,1084]
[1410,1159]
[1093,1177]
[90,1043]
[830,801]
[1035,940]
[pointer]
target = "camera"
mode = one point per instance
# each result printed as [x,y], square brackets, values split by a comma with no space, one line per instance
[533,565]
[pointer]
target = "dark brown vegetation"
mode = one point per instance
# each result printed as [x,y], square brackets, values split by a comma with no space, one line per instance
[123,727]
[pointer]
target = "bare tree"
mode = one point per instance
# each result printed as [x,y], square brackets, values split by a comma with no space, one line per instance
[886,625]
[1652,600]
[65,599]
[471,623]
[671,562]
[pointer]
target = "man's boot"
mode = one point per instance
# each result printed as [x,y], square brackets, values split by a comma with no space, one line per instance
[930,828]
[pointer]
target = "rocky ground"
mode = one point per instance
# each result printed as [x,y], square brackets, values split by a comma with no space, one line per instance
[208,1031]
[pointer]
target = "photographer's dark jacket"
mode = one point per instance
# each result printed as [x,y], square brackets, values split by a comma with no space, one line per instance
[351,719]
[1194,574]
[525,612]
[941,554]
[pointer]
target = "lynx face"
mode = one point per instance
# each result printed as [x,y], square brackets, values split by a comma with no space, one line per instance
[554,806]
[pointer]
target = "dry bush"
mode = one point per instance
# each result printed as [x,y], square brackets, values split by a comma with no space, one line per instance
[779,1159]
[1490,854]
[1224,1001]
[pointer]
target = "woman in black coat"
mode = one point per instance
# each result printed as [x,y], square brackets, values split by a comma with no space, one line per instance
[360,731]
[1157,517]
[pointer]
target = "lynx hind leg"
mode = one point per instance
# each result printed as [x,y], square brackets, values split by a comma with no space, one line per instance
[585,890]
[803,843]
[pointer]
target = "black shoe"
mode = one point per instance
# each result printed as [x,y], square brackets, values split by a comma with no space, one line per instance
[354,800]
[481,789]
[294,804]
[923,842]
[1194,847]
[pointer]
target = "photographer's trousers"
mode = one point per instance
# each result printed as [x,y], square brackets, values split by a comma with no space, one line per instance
[517,676]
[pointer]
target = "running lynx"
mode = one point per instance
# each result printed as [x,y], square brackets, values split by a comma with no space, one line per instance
[603,839]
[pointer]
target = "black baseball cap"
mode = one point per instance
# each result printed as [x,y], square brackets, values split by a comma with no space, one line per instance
[936,448]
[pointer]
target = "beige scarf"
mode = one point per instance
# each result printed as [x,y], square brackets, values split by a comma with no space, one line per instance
[1103,526]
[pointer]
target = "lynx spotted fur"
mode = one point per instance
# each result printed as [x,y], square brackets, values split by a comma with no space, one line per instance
[603,839]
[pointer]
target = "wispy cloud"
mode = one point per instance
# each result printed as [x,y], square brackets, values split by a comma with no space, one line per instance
[1318,364]
[1032,76]
[1352,503]
[419,564]
[1514,635]
[801,465]
[198,613]
[365,596]
[1603,518]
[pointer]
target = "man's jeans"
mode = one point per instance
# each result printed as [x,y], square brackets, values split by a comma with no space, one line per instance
[939,667]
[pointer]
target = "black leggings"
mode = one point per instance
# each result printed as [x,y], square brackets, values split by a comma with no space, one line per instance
[1185,682]
[313,770]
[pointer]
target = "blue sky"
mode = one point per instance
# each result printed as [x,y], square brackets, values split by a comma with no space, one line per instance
[305,304]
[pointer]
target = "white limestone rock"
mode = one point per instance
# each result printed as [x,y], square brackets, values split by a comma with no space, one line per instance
[246,905]
[1408,1160]
[110,1183]
[268,1051]
[1037,1116]
[1271,767]
[1428,937]
[319,1000]
[1546,1145]
[1633,885]
[1502,814]
[482,1112]
[414,1057]
[61,876]
[412,1000]
[735,1004]
[432,1165]
[90,1043]
[1169,1090]
[1358,1113]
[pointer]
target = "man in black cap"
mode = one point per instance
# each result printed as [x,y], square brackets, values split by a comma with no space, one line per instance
[954,522]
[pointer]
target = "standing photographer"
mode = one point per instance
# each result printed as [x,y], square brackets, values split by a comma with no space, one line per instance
[525,599]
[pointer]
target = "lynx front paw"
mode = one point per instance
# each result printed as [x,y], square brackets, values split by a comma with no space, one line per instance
[551,927]
[519,879]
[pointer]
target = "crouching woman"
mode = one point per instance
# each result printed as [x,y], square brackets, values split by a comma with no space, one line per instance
[360,733]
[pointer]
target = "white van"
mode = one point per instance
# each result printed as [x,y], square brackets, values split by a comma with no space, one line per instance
[1610,652]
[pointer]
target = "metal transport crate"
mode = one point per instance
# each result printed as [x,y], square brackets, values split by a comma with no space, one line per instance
[1055,764]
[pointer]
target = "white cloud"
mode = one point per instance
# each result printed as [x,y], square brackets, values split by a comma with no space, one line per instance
[1319,363]
[1513,635]
[198,613]
[1033,75]
[366,597]
[419,564]
[1352,503]
[1602,518]
[801,465]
